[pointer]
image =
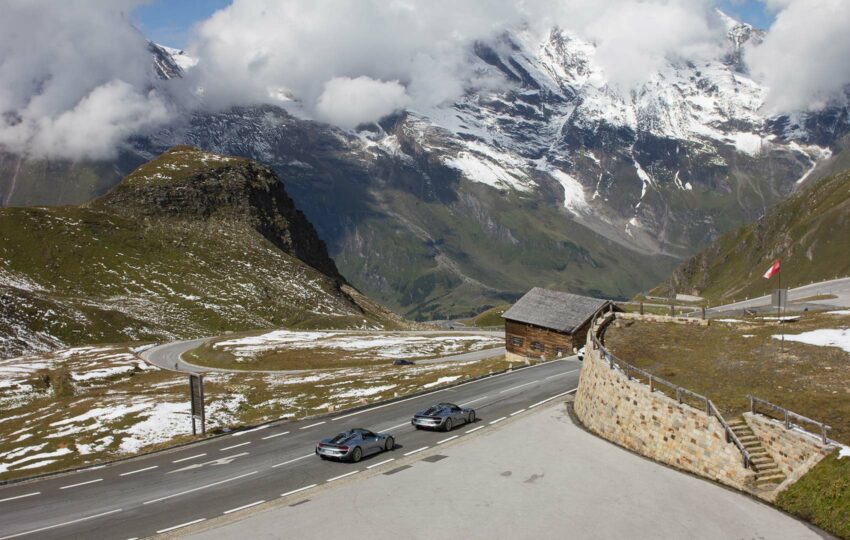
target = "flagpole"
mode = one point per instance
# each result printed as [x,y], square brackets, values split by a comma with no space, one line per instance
[778,312]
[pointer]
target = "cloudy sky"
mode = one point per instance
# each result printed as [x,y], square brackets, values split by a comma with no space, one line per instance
[75,84]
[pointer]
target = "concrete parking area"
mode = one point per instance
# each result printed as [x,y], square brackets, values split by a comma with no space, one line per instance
[536,476]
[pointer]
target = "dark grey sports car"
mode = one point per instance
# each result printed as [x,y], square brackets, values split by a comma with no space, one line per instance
[443,416]
[353,444]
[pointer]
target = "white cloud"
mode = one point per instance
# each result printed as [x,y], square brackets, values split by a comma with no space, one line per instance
[803,59]
[75,78]
[349,102]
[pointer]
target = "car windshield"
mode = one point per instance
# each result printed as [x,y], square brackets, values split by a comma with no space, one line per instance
[434,410]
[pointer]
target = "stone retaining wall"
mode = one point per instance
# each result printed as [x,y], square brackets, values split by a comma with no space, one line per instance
[792,450]
[654,425]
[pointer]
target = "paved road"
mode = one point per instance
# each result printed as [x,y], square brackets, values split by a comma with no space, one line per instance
[838,287]
[535,476]
[140,497]
[170,356]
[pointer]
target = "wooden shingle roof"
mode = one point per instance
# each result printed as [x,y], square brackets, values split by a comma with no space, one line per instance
[555,310]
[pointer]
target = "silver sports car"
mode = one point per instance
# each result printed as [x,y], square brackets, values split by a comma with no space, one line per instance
[353,444]
[443,416]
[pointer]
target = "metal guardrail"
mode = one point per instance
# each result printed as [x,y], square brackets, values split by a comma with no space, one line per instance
[597,329]
[787,416]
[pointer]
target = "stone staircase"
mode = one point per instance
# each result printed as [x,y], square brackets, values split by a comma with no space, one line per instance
[768,473]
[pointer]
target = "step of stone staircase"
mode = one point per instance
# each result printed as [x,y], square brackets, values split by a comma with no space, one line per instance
[772,479]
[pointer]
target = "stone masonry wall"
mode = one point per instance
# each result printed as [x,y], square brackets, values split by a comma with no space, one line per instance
[792,450]
[654,425]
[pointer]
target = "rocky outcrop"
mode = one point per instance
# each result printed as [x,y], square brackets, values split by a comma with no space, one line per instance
[187,183]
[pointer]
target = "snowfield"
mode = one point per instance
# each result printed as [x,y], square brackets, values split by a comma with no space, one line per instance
[374,345]
[825,337]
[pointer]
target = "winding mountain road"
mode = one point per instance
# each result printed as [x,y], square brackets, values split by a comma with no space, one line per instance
[840,288]
[169,356]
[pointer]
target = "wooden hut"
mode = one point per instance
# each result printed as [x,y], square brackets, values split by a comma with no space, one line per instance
[550,324]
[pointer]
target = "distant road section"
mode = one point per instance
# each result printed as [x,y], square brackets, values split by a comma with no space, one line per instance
[169,356]
[840,288]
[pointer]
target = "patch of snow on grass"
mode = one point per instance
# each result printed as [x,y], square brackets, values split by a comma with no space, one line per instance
[839,312]
[441,380]
[730,320]
[162,422]
[824,337]
[363,392]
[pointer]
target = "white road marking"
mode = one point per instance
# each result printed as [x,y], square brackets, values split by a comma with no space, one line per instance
[61,524]
[180,526]
[560,374]
[314,425]
[20,496]
[220,461]
[417,450]
[517,412]
[394,427]
[305,488]
[518,386]
[82,483]
[200,488]
[553,397]
[380,463]
[342,476]
[475,429]
[188,458]
[471,402]
[239,433]
[140,470]
[244,507]
[497,420]
[291,461]
[275,435]
[453,437]
[233,446]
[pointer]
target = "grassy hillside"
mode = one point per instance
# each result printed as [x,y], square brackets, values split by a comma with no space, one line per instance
[810,232]
[190,244]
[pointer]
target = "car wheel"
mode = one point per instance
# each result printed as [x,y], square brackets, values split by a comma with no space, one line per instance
[357,454]
[390,444]
[471,417]
[449,425]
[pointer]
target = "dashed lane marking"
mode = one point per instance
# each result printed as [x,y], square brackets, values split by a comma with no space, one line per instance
[294,491]
[314,425]
[82,483]
[342,476]
[473,401]
[244,506]
[497,420]
[518,386]
[415,451]
[180,526]
[240,433]
[21,496]
[200,488]
[291,461]
[275,435]
[475,429]
[152,467]
[553,397]
[517,412]
[233,446]
[453,437]
[61,524]
[380,463]
[188,458]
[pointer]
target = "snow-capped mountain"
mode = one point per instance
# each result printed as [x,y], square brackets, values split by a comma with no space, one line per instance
[555,178]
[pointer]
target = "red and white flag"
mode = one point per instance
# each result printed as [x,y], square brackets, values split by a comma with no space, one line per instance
[772,270]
